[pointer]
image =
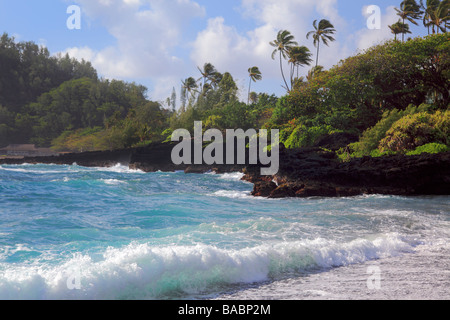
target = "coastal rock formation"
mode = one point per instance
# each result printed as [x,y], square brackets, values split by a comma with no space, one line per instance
[309,172]
[314,172]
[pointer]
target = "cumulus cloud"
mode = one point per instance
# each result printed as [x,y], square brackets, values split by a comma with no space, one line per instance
[235,51]
[149,35]
[146,33]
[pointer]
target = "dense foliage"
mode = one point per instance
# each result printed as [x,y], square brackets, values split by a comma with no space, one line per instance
[59,101]
[394,97]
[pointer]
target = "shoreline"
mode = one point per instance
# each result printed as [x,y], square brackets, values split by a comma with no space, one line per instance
[303,173]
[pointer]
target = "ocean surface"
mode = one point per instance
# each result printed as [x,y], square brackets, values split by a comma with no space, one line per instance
[69,232]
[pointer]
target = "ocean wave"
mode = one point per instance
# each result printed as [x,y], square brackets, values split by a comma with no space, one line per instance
[112,182]
[119,168]
[234,176]
[142,271]
[232,194]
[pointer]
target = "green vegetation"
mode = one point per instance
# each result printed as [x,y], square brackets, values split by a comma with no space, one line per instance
[394,96]
[60,102]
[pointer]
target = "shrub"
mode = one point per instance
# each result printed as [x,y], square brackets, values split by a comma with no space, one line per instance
[303,136]
[371,138]
[429,148]
[416,130]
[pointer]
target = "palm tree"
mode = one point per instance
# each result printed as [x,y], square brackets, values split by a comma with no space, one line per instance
[313,72]
[439,16]
[190,85]
[399,28]
[298,56]
[215,79]
[282,43]
[409,10]
[255,75]
[207,72]
[431,6]
[253,97]
[321,32]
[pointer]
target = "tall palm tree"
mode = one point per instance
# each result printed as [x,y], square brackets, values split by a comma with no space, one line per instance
[322,32]
[409,10]
[298,56]
[282,43]
[428,8]
[399,28]
[439,17]
[255,75]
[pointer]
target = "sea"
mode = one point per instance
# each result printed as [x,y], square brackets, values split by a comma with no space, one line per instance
[75,233]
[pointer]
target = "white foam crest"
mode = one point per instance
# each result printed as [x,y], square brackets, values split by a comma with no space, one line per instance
[234,176]
[112,182]
[140,271]
[232,194]
[119,168]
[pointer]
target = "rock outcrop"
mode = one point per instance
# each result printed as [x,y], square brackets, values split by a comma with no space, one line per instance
[314,172]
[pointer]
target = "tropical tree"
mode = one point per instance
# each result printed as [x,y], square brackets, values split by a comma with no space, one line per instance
[255,75]
[253,97]
[190,85]
[215,79]
[322,33]
[428,9]
[439,16]
[399,28]
[207,72]
[298,56]
[313,72]
[409,10]
[282,43]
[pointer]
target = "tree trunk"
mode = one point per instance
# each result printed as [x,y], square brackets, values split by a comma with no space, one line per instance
[317,58]
[282,73]
[249,87]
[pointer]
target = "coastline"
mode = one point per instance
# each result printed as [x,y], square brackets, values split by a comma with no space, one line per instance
[310,172]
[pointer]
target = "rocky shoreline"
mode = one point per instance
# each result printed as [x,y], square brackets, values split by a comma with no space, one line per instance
[303,173]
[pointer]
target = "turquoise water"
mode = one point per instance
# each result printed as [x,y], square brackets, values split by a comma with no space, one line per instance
[69,232]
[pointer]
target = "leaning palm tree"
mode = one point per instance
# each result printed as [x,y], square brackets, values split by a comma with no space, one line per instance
[399,28]
[253,97]
[428,8]
[282,43]
[298,56]
[255,75]
[215,79]
[207,72]
[439,17]
[409,10]
[190,85]
[321,32]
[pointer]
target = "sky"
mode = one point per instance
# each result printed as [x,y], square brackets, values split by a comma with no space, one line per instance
[159,43]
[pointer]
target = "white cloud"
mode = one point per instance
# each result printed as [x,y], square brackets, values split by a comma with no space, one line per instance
[146,32]
[232,50]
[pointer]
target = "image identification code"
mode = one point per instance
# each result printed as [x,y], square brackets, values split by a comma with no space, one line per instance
[234,309]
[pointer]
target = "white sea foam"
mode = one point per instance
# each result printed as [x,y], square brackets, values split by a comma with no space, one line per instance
[232,194]
[234,176]
[140,271]
[112,182]
[119,168]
